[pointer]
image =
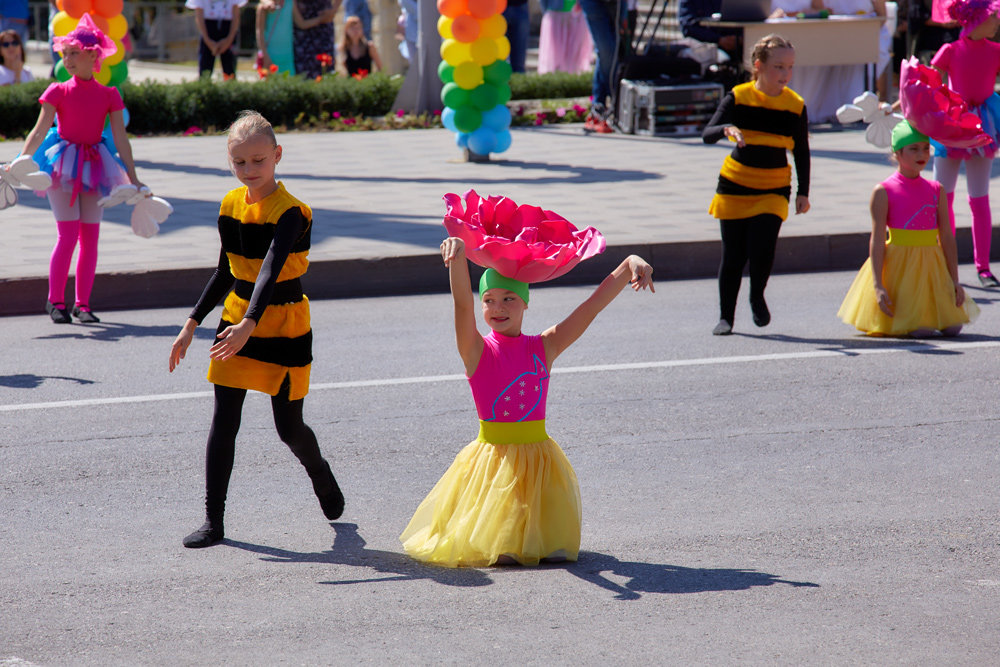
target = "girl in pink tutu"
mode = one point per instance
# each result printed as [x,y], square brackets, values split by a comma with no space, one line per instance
[510,496]
[972,64]
[564,42]
[82,167]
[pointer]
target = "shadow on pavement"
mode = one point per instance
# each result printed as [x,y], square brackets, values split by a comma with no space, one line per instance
[860,341]
[112,332]
[32,381]
[573,174]
[656,578]
[349,549]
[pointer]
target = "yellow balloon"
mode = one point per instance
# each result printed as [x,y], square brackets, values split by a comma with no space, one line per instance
[117,27]
[494,27]
[115,57]
[454,52]
[503,48]
[468,75]
[444,27]
[63,24]
[484,50]
[104,75]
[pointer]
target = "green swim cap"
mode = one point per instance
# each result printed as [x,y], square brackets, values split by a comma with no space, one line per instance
[904,134]
[493,279]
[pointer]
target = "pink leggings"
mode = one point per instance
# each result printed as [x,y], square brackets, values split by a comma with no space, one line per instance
[77,222]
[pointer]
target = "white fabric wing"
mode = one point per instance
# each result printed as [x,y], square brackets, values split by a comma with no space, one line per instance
[147,215]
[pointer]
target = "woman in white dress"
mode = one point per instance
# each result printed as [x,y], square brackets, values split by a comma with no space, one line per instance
[12,67]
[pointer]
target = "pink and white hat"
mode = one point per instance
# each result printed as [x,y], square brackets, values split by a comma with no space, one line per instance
[971,13]
[89,37]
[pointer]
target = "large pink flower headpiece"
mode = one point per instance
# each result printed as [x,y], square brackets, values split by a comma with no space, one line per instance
[971,13]
[88,37]
[523,242]
[937,111]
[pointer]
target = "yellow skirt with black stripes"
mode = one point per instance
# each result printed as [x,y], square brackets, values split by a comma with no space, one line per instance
[510,492]
[915,275]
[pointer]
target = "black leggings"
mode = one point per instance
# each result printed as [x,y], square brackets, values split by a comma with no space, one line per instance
[221,448]
[217,31]
[752,239]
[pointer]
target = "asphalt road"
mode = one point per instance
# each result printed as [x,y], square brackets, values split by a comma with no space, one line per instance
[790,495]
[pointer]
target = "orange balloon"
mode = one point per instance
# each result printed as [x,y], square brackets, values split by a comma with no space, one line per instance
[501,6]
[101,23]
[465,28]
[108,8]
[76,8]
[482,9]
[452,8]
[59,5]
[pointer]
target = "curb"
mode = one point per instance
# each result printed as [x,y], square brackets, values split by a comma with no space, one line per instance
[423,274]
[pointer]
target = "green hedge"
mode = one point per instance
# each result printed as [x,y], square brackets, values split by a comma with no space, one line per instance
[161,108]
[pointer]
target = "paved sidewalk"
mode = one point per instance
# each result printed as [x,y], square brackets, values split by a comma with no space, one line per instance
[377,205]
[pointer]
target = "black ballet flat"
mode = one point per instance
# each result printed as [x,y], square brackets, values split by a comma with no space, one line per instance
[987,279]
[85,316]
[723,328]
[58,315]
[210,533]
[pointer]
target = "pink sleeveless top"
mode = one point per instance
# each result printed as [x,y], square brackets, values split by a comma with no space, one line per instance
[912,202]
[511,381]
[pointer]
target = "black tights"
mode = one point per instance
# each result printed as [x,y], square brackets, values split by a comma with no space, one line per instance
[752,239]
[221,448]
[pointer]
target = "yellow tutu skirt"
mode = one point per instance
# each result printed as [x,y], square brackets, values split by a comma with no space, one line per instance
[520,499]
[916,277]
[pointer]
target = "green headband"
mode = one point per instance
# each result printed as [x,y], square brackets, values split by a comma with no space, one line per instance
[904,134]
[493,279]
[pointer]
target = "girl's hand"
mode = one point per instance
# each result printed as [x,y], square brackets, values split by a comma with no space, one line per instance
[959,295]
[212,45]
[181,343]
[232,339]
[642,274]
[224,45]
[452,248]
[884,302]
[801,204]
[735,134]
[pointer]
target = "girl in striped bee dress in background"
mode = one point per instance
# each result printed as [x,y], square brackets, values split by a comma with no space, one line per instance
[264,341]
[764,119]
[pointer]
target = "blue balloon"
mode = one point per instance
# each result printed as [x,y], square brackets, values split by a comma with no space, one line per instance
[448,119]
[482,141]
[503,141]
[497,118]
[462,140]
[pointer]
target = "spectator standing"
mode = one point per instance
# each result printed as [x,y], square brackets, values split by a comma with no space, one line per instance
[606,20]
[518,26]
[12,67]
[564,43]
[313,34]
[274,35]
[219,25]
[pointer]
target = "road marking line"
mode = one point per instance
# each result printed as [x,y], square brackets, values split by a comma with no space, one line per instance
[641,365]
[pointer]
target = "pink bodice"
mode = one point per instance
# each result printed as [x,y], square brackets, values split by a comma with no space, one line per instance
[511,382]
[913,202]
[82,107]
[972,66]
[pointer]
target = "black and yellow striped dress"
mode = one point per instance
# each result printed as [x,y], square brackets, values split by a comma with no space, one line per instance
[756,179]
[281,344]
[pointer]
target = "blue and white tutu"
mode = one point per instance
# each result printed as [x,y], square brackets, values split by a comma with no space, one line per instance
[81,168]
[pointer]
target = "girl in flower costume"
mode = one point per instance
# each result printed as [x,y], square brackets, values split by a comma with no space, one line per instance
[972,64]
[80,162]
[511,495]
[909,285]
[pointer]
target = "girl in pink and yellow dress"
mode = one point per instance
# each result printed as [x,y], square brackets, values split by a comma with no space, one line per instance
[511,495]
[909,284]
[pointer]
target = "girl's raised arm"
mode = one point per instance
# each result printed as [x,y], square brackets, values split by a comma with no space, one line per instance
[633,270]
[467,338]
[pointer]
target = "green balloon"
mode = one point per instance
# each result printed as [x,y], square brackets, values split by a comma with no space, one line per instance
[484,97]
[497,73]
[118,73]
[454,96]
[446,72]
[61,73]
[467,119]
[503,94]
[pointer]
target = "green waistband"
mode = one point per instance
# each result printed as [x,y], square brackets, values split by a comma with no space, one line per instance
[512,433]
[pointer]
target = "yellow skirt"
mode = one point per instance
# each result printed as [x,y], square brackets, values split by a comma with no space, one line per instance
[520,499]
[916,277]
